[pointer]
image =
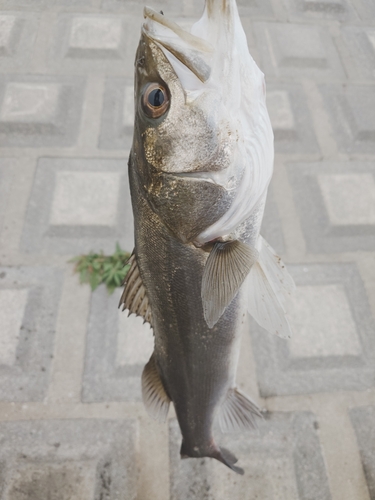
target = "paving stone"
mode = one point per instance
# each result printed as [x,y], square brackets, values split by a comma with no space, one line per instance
[85,199]
[38,4]
[332,347]
[352,119]
[323,322]
[271,225]
[17,36]
[335,203]
[39,111]
[360,41]
[29,298]
[365,9]
[283,461]
[118,114]
[68,460]
[363,422]
[301,10]
[134,7]
[77,206]
[117,349]
[291,119]
[6,165]
[297,50]
[349,198]
[99,43]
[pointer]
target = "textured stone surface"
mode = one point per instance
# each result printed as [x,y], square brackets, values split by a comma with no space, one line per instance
[117,350]
[335,204]
[68,460]
[88,207]
[66,119]
[363,423]
[118,115]
[333,348]
[282,461]
[29,298]
[291,119]
[39,111]
[297,50]
[300,10]
[361,44]
[350,109]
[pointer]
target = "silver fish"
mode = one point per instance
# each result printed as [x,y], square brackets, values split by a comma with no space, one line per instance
[199,169]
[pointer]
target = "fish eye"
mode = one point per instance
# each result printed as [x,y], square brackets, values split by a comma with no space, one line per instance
[155,100]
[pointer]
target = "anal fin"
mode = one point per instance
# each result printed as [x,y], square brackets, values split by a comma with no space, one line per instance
[154,396]
[238,412]
[134,297]
[226,269]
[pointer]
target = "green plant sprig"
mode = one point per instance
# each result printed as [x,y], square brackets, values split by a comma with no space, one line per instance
[97,268]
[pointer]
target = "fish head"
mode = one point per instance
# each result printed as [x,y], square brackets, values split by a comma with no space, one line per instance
[181,118]
[193,91]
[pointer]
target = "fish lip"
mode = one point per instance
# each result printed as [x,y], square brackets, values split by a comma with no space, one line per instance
[189,49]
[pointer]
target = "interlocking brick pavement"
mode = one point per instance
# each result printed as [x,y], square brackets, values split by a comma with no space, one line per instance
[72,424]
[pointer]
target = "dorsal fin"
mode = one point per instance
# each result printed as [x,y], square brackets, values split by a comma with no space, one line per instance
[226,269]
[154,396]
[134,297]
[238,412]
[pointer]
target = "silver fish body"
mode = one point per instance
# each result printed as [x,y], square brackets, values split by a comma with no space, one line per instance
[198,254]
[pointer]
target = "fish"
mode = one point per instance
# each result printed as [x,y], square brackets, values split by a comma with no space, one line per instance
[199,169]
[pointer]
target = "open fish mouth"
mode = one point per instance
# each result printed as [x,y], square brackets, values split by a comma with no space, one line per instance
[192,51]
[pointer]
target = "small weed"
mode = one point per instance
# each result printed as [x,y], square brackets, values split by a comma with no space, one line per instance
[97,268]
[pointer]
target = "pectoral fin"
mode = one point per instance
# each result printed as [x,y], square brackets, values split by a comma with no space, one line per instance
[270,287]
[238,412]
[154,395]
[134,297]
[226,269]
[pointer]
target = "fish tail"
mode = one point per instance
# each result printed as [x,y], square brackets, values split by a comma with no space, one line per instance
[221,454]
[227,458]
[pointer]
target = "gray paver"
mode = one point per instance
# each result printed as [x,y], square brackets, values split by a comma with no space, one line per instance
[282,461]
[350,108]
[302,10]
[17,36]
[93,42]
[333,346]
[30,298]
[5,183]
[336,203]
[291,119]
[68,460]
[360,41]
[118,114]
[39,111]
[118,347]
[297,50]
[77,206]
[363,421]
[271,224]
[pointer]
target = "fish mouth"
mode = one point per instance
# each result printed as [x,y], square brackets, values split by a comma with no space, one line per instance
[192,51]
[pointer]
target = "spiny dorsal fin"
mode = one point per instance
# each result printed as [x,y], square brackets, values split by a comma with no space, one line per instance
[154,396]
[226,269]
[134,296]
[238,412]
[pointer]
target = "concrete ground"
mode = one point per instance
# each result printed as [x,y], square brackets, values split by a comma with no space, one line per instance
[72,424]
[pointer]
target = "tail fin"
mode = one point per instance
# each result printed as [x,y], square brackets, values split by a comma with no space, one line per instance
[228,459]
[221,454]
[269,287]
